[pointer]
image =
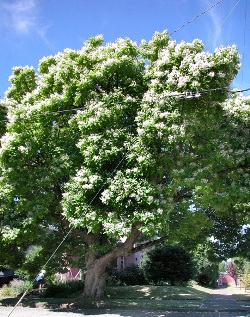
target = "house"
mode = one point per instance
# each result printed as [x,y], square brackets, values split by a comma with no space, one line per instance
[226,279]
[71,274]
[135,258]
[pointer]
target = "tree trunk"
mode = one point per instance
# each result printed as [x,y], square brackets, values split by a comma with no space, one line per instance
[95,280]
[96,263]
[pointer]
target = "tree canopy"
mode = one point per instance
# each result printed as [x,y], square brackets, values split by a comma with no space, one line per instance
[122,142]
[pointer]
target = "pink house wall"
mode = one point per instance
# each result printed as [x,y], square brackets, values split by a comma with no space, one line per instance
[135,258]
[71,274]
[225,278]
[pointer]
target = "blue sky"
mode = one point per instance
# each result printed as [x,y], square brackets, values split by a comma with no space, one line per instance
[31,29]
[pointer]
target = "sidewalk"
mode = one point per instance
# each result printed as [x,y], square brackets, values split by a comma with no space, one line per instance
[221,300]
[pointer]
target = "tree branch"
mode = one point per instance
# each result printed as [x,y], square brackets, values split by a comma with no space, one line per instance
[148,244]
[235,168]
[131,240]
[182,194]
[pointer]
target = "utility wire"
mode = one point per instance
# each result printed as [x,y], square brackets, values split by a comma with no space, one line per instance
[70,231]
[196,17]
[244,42]
[92,200]
[218,29]
[184,94]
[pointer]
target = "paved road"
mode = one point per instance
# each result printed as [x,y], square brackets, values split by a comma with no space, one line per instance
[37,312]
[219,303]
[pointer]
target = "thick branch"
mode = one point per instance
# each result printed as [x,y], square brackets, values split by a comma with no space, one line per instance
[58,192]
[235,168]
[123,249]
[131,240]
[183,193]
[148,244]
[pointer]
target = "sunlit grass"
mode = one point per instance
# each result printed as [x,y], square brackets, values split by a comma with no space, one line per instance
[130,297]
[155,297]
[157,292]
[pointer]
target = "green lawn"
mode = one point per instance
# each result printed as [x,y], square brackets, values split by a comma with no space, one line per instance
[133,297]
[155,297]
[157,292]
[242,294]
[128,297]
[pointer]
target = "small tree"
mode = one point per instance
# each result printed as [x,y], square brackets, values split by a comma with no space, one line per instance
[207,271]
[246,279]
[168,264]
[243,269]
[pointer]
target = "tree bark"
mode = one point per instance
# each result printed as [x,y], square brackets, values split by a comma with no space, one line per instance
[96,264]
[95,280]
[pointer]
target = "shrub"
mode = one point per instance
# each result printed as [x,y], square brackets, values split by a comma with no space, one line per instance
[246,280]
[208,275]
[16,287]
[132,275]
[63,289]
[171,264]
[207,272]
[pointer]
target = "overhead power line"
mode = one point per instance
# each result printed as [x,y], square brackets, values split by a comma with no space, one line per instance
[185,94]
[227,16]
[196,17]
[197,94]
[244,42]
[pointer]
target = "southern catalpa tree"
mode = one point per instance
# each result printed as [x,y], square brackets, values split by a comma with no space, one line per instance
[102,143]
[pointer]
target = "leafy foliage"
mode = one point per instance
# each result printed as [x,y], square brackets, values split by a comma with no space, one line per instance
[207,271]
[63,289]
[105,143]
[15,288]
[245,279]
[168,264]
[132,275]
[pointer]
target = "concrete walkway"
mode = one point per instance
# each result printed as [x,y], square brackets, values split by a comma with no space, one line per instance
[221,300]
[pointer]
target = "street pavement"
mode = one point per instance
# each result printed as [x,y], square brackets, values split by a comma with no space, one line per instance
[220,303]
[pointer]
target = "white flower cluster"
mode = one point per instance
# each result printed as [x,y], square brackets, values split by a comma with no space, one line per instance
[9,233]
[116,228]
[85,179]
[8,141]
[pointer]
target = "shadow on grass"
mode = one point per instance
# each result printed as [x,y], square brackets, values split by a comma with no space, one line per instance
[37,302]
[158,292]
[124,297]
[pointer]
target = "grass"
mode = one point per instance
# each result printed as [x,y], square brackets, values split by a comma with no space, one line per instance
[127,297]
[155,297]
[241,294]
[157,292]
[132,298]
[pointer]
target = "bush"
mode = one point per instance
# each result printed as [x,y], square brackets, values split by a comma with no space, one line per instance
[63,289]
[246,280]
[208,276]
[168,264]
[132,275]
[16,287]
[207,272]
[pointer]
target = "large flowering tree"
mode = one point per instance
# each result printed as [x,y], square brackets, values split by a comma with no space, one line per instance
[117,143]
